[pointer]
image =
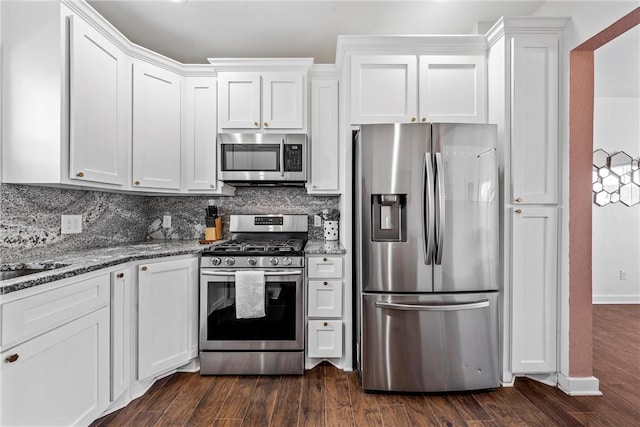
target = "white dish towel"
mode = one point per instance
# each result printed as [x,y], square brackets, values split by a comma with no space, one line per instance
[249,294]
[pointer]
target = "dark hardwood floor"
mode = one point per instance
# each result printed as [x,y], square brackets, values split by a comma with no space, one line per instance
[326,396]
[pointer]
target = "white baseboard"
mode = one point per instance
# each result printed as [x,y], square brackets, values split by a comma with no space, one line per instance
[579,386]
[615,299]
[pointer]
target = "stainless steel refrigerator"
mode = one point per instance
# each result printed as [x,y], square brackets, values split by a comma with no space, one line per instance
[427,254]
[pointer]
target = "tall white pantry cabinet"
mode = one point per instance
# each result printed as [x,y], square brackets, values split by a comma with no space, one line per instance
[523,67]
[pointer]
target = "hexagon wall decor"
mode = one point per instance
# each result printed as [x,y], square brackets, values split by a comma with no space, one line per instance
[615,178]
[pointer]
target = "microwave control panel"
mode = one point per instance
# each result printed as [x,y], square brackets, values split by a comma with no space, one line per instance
[293,157]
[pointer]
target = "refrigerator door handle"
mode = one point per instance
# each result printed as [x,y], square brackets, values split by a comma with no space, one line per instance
[440,226]
[437,307]
[428,209]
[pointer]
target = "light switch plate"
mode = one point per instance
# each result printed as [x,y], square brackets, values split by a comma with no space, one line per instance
[317,221]
[71,224]
[166,221]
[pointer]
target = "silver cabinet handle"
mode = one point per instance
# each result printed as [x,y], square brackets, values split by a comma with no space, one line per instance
[267,273]
[427,209]
[441,211]
[438,307]
[282,157]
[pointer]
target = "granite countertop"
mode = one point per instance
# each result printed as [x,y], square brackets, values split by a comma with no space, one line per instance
[75,263]
[324,247]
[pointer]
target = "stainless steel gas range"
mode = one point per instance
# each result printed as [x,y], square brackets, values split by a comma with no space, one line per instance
[252,298]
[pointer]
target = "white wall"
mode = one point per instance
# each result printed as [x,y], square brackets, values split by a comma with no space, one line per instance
[616,227]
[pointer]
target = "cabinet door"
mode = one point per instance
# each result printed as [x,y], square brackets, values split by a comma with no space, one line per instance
[98,82]
[199,143]
[325,298]
[384,89]
[534,289]
[156,127]
[167,320]
[453,89]
[239,101]
[324,137]
[283,100]
[534,128]
[60,377]
[120,332]
[325,338]
[329,267]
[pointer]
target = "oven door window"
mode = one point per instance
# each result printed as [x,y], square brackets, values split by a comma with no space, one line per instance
[278,324]
[250,157]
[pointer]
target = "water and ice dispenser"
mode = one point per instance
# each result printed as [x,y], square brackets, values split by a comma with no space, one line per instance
[388,217]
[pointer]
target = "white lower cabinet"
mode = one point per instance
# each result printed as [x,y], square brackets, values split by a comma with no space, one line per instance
[534,289]
[167,315]
[120,332]
[57,373]
[325,338]
[324,308]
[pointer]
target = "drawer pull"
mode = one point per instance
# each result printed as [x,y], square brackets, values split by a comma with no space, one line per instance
[120,275]
[519,199]
[325,283]
[323,324]
[143,268]
[12,358]
[518,211]
[325,259]
[80,174]
[136,183]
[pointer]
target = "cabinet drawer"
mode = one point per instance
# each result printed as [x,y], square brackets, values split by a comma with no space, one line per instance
[325,338]
[325,267]
[44,311]
[325,298]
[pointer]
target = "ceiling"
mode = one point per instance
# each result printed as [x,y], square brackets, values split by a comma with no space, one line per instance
[194,30]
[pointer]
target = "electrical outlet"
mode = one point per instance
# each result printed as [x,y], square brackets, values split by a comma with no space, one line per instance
[166,221]
[623,275]
[71,224]
[317,221]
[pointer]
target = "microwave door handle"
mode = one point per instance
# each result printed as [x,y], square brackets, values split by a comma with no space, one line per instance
[282,157]
[266,273]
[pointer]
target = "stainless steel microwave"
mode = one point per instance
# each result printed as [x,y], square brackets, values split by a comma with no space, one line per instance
[262,158]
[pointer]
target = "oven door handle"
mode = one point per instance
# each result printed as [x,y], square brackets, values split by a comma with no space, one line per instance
[266,273]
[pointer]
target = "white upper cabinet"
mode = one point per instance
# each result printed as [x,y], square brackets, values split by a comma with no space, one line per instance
[324,177]
[65,98]
[410,88]
[534,116]
[239,101]
[452,88]
[199,142]
[98,87]
[262,100]
[384,89]
[156,127]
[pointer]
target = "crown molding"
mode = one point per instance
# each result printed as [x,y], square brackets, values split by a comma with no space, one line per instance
[261,64]
[525,25]
[465,44]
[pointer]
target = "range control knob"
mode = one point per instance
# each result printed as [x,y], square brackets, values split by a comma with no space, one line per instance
[216,261]
[229,261]
[286,261]
[273,261]
[252,261]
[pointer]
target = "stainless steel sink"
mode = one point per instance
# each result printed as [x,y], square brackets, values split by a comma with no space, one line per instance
[19,272]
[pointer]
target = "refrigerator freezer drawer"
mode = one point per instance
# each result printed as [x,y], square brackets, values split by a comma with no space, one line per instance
[430,343]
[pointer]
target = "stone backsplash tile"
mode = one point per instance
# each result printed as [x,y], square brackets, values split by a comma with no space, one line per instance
[30,216]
